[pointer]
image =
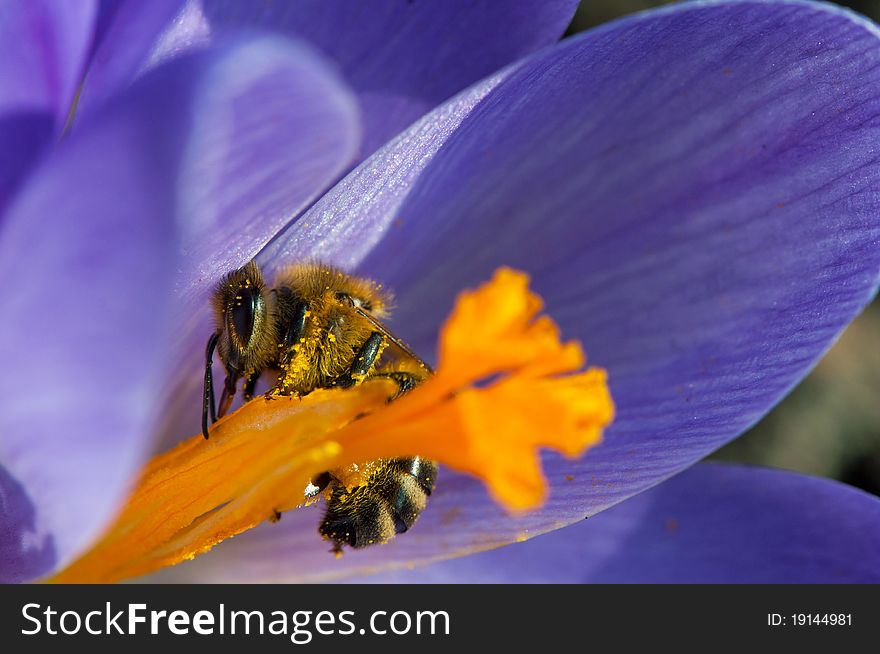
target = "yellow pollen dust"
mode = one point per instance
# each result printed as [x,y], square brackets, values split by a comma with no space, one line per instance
[505,386]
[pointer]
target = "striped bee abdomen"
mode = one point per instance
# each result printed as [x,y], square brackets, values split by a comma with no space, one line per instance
[388,503]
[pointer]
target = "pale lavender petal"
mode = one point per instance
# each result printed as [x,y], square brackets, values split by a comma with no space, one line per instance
[720,524]
[698,204]
[189,31]
[125,37]
[272,127]
[402,58]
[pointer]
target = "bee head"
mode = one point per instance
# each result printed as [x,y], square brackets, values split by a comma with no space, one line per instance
[246,334]
[245,337]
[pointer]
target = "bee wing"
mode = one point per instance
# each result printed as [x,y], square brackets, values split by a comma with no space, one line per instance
[394,340]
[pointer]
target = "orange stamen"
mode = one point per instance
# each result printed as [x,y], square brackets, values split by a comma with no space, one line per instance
[505,386]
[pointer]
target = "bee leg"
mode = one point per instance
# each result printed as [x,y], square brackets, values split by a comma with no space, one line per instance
[276,516]
[364,360]
[227,396]
[317,485]
[296,327]
[249,386]
[208,404]
[405,381]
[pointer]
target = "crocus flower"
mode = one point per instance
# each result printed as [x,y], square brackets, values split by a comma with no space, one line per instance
[693,190]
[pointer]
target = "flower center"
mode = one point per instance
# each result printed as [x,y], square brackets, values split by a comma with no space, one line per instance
[505,387]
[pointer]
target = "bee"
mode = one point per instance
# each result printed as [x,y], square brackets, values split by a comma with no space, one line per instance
[319,327]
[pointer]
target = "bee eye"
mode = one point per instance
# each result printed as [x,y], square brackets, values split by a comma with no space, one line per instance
[244,306]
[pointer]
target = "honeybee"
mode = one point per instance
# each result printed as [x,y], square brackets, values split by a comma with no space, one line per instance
[319,327]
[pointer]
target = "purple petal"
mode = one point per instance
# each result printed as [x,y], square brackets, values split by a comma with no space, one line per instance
[705,251]
[351,219]
[43,45]
[402,58]
[714,523]
[194,154]
[698,204]
[125,36]
[87,252]
[25,137]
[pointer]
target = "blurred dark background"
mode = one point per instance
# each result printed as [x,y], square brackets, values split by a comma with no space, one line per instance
[830,424]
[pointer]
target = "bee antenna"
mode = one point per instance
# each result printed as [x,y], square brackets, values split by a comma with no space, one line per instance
[208,405]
